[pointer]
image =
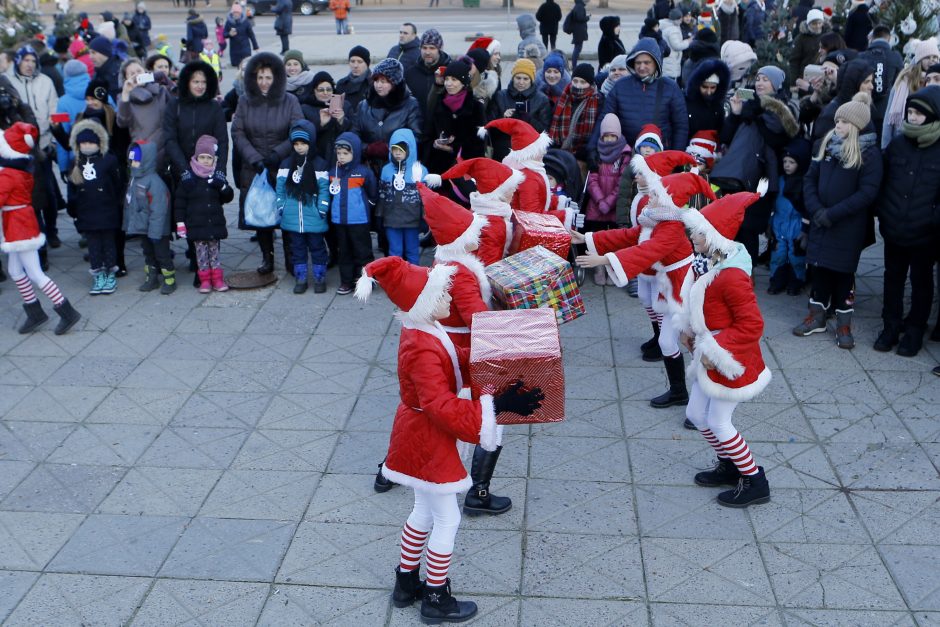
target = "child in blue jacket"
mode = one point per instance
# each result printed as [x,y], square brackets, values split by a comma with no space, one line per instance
[399,201]
[353,191]
[303,199]
[790,223]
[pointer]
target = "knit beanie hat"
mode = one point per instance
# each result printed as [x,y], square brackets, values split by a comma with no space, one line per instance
[524,66]
[322,77]
[432,38]
[106,30]
[87,136]
[619,63]
[101,45]
[933,69]
[775,75]
[391,69]
[362,52]
[922,105]
[481,59]
[296,55]
[206,145]
[856,112]
[97,89]
[459,70]
[61,45]
[135,153]
[650,135]
[675,13]
[555,62]
[926,48]
[74,67]
[24,51]
[584,71]
[299,134]
[610,124]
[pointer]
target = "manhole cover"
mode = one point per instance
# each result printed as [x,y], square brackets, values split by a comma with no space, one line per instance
[250,280]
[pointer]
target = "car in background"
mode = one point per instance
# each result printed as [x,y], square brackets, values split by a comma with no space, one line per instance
[304,7]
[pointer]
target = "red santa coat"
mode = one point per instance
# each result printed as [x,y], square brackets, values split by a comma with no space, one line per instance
[422,451]
[20,228]
[494,240]
[470,293]
[722,316]
[664,249]
[533,195]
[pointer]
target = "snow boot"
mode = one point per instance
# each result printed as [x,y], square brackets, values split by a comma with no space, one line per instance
[35,316]
[751,490]
[815,321]
[98,283]
[205,281]
[650,348]
[889,336]
[844,337]
[677,394]
[68,317]
[300,274]
[438,606]
[151,282]
[319,279]
[723,473]
[911,342]
[478,499]
[109,284]
[217,277]
[381,484]
[169,282]
[408,587]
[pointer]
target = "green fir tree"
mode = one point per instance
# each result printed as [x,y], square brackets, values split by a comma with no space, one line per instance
[909,19]
[18,23]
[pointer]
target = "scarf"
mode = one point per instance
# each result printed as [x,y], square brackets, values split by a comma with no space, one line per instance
[700,264]
[925,135]
[202,171]
[306,190]
[611,152]
[455,101]
[834,147]
[296,82]
[574,119]
[651,216]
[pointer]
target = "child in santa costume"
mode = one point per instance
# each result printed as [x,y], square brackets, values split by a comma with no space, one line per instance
[431,417]
[496,183]
[722,325]
[22,238]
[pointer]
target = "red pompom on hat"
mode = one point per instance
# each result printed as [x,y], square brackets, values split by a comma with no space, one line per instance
[454,228]
[682,186]
[526,142]
[720,220]
[491,177]
[704,144]
[661,163]
[415,290]
[19,140]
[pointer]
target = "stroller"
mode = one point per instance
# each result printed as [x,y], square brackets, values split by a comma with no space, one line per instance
[564,168]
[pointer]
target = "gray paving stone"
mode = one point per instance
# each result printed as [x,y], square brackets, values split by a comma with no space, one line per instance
[565,612]
[160,492]
[889,466]
[10,395]
[108,544]
[588,459]
[349,498]
[104,444]
[691,615]
[332,378]
[359,452]
[335,554]
[913,568]
[94,371]
[236,410]
[79,600]
[580,507]
[189,602]
[13,585]
[173,374]
[373,412]
[29,370]
[811,516]
[586,418]
[284,449]
[242,550]
[67,489]
[267,347]
[194,447]
[11,473]
[31,441]
[682,512]
[899,517]
[139,406]
[847,618]
[28,540]
[309,605]
[322,412]
[342,349]
[195,346]
[261,494]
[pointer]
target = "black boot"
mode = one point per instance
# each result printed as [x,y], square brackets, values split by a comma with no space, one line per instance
[676,394]
[888,338]
[650,348]
[266,244]
[68,317]
[751,490]
[35,316]
[3,275]
[478,499]
[911,342]
[408,587]
[439,606]
[382,484]
[724,473]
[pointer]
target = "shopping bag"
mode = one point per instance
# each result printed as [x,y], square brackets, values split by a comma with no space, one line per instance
[261,204]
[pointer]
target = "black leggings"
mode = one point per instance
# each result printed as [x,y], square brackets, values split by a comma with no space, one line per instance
[832,288]
[549,38]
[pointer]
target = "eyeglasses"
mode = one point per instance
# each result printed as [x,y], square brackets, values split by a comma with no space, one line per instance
[324,90]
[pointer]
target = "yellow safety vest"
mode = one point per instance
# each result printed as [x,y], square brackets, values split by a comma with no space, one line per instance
[213,61]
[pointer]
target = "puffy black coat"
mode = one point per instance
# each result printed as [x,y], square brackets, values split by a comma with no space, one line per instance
[704,46]
[97,204]
[463,126]
[908,207]
[196,31]
[284,22]
[199,204]
[610,44]
[548,17]
[377,118]
[887,63]
[537,112]
[187,118]
[845,195]
[355,89]
[420,79]
[579,22]
[858,24]
[407,54]
[851,77]
[242,42]
[707,115]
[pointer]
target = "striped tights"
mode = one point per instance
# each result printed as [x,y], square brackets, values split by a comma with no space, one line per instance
[712,417]
[431,529]
[25,270]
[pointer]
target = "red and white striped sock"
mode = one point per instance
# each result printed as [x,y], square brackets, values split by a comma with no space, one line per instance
[739,453]
[711,439]
[412,545]
[651,314]
[25,286]
[438,566]
[52,291]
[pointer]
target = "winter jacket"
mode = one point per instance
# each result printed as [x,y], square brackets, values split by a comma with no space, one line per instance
[243,42]
[401,209]
[527,26]
[143,115]
[888,63]
[420,80]
[851,76]
[284,22]
[73,103]
[729,23]
[579,22]
[355,89]
[95,203]
[196,31]
[908,206]
[533,107]
[378,118]
[603,188]
[48,66]
[707,114]
[142,23]
[789,208]
[198,204]
[845,196]
[260,128]
[187,118]
[672,33]
[650,33]
[147,201]
[329,132]
[610,44]
[407,54]
[754,15]
[858,24]
[702,47]
[636,103]
[548,17]
[297,216]
[462,125]
[357,194]
[39,94]
[804,49]
[110,73]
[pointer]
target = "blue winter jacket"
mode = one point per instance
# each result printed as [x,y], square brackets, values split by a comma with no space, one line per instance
[73,103]
[357,189]
[634,102]
[296,216]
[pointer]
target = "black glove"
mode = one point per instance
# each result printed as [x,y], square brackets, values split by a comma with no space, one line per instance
[520,402]
[821,219]
[272,161]
[216,182]
[592,160]
[258,166]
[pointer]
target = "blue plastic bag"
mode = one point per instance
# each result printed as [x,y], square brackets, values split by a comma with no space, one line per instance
[261,204]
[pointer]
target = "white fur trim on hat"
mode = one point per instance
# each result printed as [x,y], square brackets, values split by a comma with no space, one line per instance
[535,150]
[7,151]
[435,488]
[491,434]
[699,225]
[468,237]
[439,281]
[364,286]
[471,263]
[508,187]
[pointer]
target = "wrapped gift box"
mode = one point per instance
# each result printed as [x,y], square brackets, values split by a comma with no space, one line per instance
[533,279]
[510,346]
[539,229]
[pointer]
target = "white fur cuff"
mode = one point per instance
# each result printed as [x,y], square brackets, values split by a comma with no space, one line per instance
[615,271]
[491,435]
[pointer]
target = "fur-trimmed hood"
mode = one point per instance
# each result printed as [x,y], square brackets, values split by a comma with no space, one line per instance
[779,109]
[94,126]
[278,87]
[212,81]
[702,71]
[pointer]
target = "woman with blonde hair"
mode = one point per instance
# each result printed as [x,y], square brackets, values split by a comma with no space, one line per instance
[911,79]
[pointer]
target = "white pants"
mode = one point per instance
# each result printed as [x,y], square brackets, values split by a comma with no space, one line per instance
[439,514]
[711,413]
[668,336]
[26,263]
[646,290]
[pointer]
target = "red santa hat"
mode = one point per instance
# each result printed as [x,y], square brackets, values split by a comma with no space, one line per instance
[649,134]
[415,290]
[704,144]
[719,221]
[661,163]
[18,141]
[682,186]
[454,228]
[480,43]
[491,177]
[526,142]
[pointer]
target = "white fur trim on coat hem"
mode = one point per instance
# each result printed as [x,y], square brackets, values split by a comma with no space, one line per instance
[491,436]
[24,245]
[744,393]
[615,271]
[722,358]
[429,486]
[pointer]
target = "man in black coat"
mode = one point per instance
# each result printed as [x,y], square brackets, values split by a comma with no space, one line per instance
[548,16]
[408,50]
[420,77]
[284,22]
[888,63]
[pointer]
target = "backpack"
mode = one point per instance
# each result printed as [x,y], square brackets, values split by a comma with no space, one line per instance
[567,26]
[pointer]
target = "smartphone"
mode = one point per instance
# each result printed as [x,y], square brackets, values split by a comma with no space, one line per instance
[60,118]
[145,78]
[336,102]
[520,106]
[745,94]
